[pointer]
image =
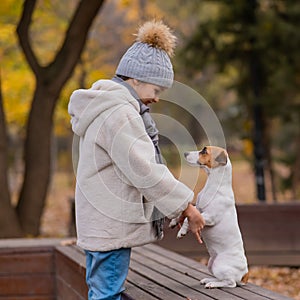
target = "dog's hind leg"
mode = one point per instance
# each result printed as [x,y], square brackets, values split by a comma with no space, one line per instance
[174,222]
[209,219]
[208,279]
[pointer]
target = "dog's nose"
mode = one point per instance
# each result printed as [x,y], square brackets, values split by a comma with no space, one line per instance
[186,154]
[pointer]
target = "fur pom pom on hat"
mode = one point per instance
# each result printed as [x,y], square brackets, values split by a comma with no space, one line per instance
[148,59]
[157,35]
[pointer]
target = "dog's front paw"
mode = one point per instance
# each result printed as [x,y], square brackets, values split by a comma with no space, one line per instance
[181,233]
[173,223]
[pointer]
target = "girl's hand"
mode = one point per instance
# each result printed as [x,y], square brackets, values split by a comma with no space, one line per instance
[196,221]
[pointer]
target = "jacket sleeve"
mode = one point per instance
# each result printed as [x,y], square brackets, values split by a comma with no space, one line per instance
[124,138]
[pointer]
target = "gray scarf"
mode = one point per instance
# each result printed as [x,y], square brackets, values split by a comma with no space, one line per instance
[157,217]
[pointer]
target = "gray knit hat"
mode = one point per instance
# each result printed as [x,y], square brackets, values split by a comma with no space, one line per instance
[148,59]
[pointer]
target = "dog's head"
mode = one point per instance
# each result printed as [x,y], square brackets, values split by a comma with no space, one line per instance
[209,156]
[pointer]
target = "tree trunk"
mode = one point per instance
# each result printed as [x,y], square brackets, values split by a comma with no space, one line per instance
[9,224]
[37,157]
[49,82]
[296,170]
[256,82]
[269,161]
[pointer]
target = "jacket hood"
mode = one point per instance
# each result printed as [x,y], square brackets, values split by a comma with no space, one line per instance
[86,104]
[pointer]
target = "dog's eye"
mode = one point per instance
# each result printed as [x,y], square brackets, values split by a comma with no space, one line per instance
[203,151]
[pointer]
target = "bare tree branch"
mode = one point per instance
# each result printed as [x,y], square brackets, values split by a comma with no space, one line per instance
[23,35]
[76,36]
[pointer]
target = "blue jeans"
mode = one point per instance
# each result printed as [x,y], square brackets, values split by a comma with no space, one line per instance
[106,273]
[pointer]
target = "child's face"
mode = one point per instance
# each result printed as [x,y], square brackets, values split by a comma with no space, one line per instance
[148,93]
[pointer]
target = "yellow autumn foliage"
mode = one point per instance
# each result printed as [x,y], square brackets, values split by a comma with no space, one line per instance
[107,42]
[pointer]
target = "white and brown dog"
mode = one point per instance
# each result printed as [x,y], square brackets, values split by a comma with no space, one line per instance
[221,234]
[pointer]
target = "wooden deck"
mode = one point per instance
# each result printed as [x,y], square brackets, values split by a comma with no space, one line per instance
[45,270]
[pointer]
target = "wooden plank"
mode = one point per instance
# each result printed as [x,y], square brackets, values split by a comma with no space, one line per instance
[71,269]
[260,222]
[26,272]
[27,284]
[151,288]
[273,258]
[264,292]
[162,280]
[11,245]
[133,292]
[25,262]
[245,294]
[187,280]
[74,253]
[258,292]
[201,272]
[65,291]
[26,297]
[186,275]
[77,255]
[177,257]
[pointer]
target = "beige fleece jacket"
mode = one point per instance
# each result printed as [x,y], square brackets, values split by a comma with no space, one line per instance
[116,167]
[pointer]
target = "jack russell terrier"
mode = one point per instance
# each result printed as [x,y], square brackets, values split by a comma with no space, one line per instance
[221,233]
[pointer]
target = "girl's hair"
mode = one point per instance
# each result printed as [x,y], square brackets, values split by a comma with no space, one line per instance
[123,77]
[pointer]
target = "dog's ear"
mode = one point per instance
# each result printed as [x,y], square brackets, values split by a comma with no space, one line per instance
[203,151]
[222,158]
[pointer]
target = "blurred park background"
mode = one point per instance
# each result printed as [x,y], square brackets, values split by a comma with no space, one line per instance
[241,56]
